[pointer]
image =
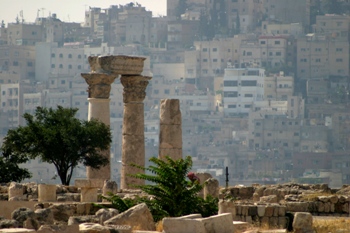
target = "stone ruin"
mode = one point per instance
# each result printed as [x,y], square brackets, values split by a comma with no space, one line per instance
[56,208]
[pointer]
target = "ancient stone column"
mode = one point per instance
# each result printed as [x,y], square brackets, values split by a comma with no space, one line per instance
[133,142]
[211,187]
[170,131]
[99,89]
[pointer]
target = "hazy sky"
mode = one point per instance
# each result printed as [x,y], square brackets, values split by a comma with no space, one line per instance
[66,10]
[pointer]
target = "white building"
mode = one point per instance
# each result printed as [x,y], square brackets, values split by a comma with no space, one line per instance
[242,87]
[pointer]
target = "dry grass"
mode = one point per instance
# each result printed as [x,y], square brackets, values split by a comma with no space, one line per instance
[332,225]
[159,226]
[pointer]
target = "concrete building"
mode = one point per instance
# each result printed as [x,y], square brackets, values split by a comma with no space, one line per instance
[271,27]
[335,26]
[54,60]
[18,59]
[242,87]
[319,57]
[288,11]
[24,34]
[278,87]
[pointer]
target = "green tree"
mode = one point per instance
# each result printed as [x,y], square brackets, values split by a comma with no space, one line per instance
[57,137]
[9,169]
[173,194]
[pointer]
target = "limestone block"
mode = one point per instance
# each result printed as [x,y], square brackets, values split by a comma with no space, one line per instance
[84,208]
[245,210]
[44,216]
[273,222]
[89,183]
[282,222]
[269,210]
[170,136]
[138,217]
[282,211]
[15,190]
[261,210]
[324,198]
[269,199]
[123,229]
[256,197]
[121,64]
[248,219]
[105,214]
[62,212]
[46,192]
[133,123]
[345,208]
[297,206]
[88,195]
[190,216]
[170,113]
[92,228]
[227,207]
[333,199]
[320,206]
[252,210]
[83,219]
[176,225]
[16,230]
[276,210]
[109,187]
[327,207]
[22,214]
[239,210]
[211,188]
[58,228]
[302,222]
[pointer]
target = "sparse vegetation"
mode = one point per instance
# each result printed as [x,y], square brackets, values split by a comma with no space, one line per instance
[331,225]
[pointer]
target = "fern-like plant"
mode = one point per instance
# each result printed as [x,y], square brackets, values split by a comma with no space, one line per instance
[171,190]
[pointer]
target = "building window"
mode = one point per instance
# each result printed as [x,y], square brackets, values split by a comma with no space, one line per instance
[215,49]
[156,92]
[277,42]
[61,55]
[248,83]
[61,66]
[79,67]
[69,55]
[215,60]
[339,50]
[339,60]
[205,60]
[79,56]
[204,49]
[63,81]
[318,60]
[249,53]
[53,55]
[230,94]
[69,66]
[232,106]
[230,83]
[262,42]
[53,65]
[167,91]
[278,53]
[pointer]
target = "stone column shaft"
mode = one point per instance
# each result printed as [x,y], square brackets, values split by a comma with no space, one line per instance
[170,129]
[133,141]
[99,89]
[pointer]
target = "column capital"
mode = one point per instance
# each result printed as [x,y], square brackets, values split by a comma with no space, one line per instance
[134,87]
[99,84]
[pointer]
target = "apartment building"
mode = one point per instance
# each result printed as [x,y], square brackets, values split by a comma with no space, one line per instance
[319,57]
[287,11]
[249,13]
[242,86]
[181,34]
[278,87]
[272,27]
[266,51]
[54,60]
[17,59]
[24,34]
[335,26]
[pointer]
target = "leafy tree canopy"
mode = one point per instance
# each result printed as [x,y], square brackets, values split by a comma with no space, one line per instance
[9,169]
[57,137]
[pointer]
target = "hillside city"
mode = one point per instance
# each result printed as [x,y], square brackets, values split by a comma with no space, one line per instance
[263,84]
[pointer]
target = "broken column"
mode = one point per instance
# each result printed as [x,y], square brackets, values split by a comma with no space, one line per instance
[170,131]
[133,142]
[88,189]
[47,192]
